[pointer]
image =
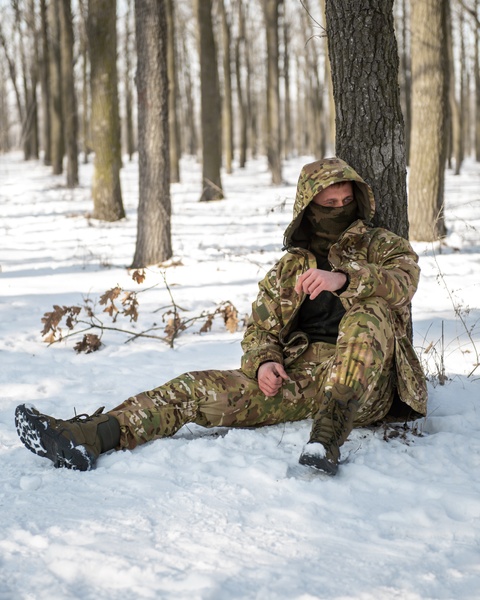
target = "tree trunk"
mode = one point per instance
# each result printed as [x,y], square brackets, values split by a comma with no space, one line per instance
[173,94]
[69,97]
[429,118]
[84,54]
[210,105]
[4,111]
[242,109]
[189,122]
[12,72]
[153,229]
[105,122]
[406,80]
[288,141]
[130,145]
[34,72]
[477,90]
[27,125]
[56,115]
[45,85]
[227,89]
[369,122]
[455,115]
[271,8]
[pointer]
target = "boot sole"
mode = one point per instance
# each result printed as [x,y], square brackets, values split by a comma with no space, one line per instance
[319,463]
[44,441]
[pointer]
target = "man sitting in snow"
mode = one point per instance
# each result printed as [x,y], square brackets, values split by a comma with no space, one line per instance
[326,340]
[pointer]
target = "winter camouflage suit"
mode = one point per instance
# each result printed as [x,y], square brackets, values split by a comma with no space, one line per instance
[373,354]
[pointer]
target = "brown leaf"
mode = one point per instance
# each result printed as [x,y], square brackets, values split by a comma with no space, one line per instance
[173,326]
[139,275]
[73,312]
[90,343]
[230,317]
[53,318]
[131,303]
[111,295]
[207,326]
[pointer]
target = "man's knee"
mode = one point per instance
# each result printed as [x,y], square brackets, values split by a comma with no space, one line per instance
[368,319]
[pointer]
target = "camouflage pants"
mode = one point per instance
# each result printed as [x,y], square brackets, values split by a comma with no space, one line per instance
[362,359]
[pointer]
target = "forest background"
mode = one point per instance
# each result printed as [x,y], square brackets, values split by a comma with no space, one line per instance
[222,513]
[393,83]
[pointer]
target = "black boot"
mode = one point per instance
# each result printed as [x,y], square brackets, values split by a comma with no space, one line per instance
[331,427]
[74,444]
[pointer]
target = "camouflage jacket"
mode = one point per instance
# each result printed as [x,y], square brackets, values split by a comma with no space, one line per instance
[377,262]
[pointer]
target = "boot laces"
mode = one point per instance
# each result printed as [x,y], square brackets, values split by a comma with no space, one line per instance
[84,417]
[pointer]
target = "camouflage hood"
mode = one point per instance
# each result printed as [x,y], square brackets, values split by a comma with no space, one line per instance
[314,178]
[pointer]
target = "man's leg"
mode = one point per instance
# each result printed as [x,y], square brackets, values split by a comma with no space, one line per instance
[358,388]
[214,399]
[208,398]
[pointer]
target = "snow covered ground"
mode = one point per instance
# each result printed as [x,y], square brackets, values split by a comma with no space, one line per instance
[216,514]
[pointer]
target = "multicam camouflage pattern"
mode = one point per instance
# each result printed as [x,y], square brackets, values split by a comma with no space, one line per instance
[232,399]
[373,355]
[379,264]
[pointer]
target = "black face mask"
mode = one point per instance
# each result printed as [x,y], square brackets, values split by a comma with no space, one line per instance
[327,224]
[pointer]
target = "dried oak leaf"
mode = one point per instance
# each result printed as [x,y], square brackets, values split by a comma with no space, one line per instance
[52,319]
[139,275]
[173,326]
[230,317]
[207,326]
[110,296]
[90,343]
[73,312]
[130,302]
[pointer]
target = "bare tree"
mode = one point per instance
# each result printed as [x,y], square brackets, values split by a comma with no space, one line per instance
[210,105]
[153,229]
[4,111]
[369,121]
[227,112]
[477,88]
[429,118]
[105,121]
[85,127]
[56,114]
[174,135]
[45,84]
[241,86]
[69,97]
[271,8]
[130,145]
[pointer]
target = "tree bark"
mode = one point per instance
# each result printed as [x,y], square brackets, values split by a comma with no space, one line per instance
[69,97]
[45,85]
[271,8]
[174,136]
[227,89]
[105,122]
[455,115]
[153,229]
[369,122]
[241,101]
[406,79]
[84,54]
[4,111]
[429,118]
[477,90]
[288,135]
[130,145]
[210,105]
[56,114]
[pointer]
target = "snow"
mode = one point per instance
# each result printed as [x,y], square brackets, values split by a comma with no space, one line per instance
[215,514]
